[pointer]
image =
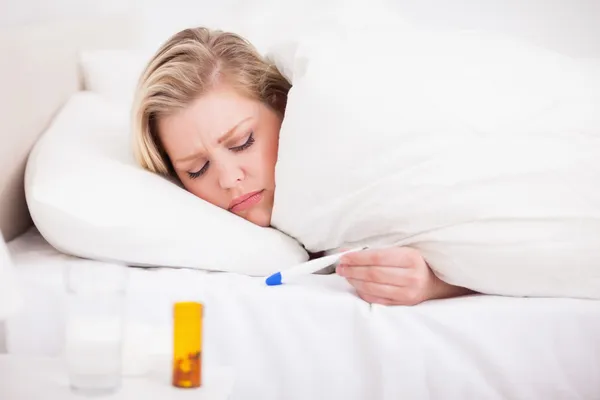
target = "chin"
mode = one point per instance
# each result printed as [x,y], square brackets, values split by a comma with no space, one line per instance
[261,222]
[260,219]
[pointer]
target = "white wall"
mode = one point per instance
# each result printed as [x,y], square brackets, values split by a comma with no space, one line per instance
[568,25]
[18,12]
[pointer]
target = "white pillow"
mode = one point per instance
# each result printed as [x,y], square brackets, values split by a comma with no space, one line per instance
[481,152]
[88,198]
[10,294]
[113,73]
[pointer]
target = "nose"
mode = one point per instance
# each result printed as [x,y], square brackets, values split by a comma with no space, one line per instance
[230,174]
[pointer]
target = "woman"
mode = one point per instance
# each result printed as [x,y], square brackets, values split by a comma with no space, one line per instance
[208,112]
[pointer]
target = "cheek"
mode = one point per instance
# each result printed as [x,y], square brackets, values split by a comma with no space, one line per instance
[268,159]
[207,189]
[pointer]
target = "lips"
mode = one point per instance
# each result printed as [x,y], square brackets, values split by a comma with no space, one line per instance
[246,201]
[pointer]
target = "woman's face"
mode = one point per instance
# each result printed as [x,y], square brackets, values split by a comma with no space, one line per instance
[224,150]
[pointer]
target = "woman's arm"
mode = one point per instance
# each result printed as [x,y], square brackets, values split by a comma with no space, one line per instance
[445,290]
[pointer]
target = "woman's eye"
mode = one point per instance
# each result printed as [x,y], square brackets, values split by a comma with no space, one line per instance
[200,172]
[249,142]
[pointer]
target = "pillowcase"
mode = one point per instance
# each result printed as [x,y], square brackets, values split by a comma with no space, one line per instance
[113,73]
[481,152]
[10,295]
[88,198]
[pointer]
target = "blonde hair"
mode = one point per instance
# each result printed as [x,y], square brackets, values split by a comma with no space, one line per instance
[188,65]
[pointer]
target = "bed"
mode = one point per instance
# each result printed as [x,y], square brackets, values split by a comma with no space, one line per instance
[313,339]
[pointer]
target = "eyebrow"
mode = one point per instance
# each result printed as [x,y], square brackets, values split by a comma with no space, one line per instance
[222,139]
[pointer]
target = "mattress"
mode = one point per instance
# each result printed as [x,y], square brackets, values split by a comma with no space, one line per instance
[315,339]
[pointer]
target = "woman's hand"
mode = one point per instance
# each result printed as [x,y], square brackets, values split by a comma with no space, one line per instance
[394,276]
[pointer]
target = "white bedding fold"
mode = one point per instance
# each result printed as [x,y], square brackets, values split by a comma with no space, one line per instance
[479,151]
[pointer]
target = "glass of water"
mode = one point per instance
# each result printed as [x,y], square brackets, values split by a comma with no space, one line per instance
[95,325]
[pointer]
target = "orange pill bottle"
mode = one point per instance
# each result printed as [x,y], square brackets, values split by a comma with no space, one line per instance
[187,344]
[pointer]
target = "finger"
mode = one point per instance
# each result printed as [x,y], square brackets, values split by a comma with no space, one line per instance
[391,256]
[376,289]
[407,300]
[408,296]
[387,275]
[376,300]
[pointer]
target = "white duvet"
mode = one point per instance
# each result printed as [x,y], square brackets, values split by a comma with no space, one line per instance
[480,151]
[315,339]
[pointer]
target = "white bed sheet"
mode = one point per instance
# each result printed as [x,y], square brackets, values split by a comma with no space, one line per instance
[315,339]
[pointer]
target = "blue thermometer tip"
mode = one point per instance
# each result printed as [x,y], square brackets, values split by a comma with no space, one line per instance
[274,279]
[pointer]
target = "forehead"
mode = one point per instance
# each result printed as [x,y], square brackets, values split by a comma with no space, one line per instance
[206,119]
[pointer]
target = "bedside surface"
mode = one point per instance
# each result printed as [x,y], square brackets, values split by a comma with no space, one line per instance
[29,378]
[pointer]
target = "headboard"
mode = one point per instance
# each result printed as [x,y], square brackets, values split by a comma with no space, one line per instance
[38,73]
